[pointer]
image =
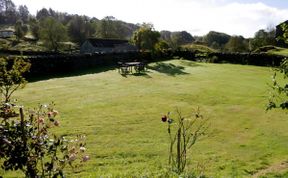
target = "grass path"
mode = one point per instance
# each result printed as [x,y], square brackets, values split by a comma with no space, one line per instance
[276,168]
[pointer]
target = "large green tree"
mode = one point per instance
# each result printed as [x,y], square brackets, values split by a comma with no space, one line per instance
[20,29]
[11,76]
[176,39]
[52,33]
[237,44]
[80,28]
[216,40]
[145,37]
[8,12]
[106,28]
[263,38]
[24,13]
[34,28]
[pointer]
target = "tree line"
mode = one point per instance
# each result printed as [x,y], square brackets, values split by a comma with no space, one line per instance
[52,28]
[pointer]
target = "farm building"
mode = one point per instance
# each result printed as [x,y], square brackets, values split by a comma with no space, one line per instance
[6,33]
[96,45]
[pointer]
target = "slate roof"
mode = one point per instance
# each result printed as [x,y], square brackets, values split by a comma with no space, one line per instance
[106,43]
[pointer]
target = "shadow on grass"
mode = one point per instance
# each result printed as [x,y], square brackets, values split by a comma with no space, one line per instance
[191,64]
[70,74]
[169,69]
[141,74]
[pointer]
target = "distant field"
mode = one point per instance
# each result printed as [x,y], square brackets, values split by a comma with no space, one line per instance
[197,47]
[279,51]
[121,117]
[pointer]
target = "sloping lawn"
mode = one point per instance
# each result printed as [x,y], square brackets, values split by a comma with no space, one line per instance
[121,116]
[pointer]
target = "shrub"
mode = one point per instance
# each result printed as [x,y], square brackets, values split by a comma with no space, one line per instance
[30,146]
[27,144]
[187,132]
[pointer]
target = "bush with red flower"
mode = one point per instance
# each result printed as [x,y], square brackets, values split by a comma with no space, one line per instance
[27,144]
[26,141]
[183,133]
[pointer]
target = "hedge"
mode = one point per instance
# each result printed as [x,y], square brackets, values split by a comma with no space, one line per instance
[54,63]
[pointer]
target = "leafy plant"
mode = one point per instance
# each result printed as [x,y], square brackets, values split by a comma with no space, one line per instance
[31,147]
[27,144]
[187,132]
[279,94]
[11,72]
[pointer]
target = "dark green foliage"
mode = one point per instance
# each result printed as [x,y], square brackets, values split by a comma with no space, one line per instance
[42,14]
[237,44]
[34,28]
[279,94]
[145,38]
[176,39]
[263,38]
[107,28]
[284,37]
[216,40]
[181,38]
[257,59]
[80,28]
[20,29]
[161,46]
[110,27]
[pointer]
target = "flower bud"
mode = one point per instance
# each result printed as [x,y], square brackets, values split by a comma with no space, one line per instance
[49,114]
[85,158]
[164,118]
[72,157]
[56,123]
[55,113]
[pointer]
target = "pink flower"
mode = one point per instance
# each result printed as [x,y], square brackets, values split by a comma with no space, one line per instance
[50,114]
[85,158]
[72,157]
[82,148]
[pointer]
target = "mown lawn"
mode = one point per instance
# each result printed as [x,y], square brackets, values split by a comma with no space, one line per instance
[121,116]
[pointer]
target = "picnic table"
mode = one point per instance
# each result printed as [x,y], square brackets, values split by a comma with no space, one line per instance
[127,67]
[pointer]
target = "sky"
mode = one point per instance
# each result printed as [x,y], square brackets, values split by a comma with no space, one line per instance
[198,17]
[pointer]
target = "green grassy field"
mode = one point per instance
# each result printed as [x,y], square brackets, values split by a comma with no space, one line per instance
[121,116]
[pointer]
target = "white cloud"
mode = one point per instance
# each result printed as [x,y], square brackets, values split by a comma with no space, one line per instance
[195,16]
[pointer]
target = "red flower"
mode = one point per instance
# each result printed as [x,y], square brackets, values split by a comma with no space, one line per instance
[49,114]
[164,118]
